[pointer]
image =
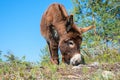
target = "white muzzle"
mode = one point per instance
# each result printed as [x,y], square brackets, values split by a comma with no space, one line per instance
[76,59]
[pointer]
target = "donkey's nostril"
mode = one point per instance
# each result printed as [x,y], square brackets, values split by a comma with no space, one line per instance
[77,63]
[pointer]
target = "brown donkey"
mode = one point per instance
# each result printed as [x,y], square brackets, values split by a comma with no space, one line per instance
[59,30]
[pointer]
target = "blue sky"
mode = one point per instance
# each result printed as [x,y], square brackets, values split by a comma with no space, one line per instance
[20,26]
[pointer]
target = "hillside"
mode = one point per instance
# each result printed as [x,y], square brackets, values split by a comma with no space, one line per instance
[101,67]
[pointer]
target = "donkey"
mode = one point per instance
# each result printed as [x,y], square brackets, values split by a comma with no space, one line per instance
[60,31]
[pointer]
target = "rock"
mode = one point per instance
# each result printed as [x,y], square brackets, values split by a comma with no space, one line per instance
[95,64]
[73,77]
[76,67]
[108,75]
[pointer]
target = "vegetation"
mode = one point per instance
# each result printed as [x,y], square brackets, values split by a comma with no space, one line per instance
[94,69]
[105,15]
[101,51]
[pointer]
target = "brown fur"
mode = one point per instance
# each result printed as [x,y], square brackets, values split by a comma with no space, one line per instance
[59,30]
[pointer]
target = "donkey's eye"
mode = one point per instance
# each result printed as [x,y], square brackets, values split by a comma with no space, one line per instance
[71,44]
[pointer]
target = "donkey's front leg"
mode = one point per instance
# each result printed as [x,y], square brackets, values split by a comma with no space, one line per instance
[53,48]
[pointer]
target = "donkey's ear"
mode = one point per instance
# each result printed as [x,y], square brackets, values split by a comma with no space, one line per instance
[70,20]
[69,23]
[86,29]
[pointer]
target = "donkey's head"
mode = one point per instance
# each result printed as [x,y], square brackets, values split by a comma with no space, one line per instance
[70,42]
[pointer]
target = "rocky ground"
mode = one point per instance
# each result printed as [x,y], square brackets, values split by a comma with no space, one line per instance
[101,67]
[93,71]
